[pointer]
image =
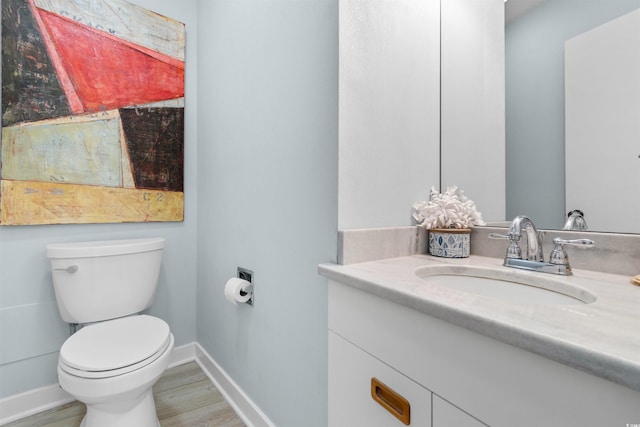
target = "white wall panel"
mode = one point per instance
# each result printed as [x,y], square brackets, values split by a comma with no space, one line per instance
[473,105]
[389,109]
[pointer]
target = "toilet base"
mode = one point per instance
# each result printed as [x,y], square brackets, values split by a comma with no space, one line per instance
[142,414]
[119,401]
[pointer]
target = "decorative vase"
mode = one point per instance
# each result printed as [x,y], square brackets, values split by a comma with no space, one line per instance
[450,242]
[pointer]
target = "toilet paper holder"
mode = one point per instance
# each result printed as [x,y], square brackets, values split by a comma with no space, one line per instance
[248,290]
[247,275]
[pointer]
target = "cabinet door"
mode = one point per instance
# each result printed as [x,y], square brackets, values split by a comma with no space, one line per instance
[351,401]
[446,415]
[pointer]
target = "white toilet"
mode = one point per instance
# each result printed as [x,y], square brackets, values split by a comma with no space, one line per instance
[112,362]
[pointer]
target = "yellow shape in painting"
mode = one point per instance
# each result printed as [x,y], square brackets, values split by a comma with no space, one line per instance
[25,203]
[80,150]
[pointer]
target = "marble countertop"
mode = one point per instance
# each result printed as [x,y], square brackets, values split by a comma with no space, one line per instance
[601,338]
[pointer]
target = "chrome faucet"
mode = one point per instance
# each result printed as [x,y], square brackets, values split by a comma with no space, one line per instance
[534,240]
[575,221]
[558,261]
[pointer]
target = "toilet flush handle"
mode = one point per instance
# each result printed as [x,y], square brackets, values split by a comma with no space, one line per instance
[70,269]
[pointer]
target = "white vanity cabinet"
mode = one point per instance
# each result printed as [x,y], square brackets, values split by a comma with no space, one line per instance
[447,415]
[352,387]
[451,375]
[356,377]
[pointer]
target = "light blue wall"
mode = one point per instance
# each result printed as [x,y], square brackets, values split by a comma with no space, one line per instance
[535,102]
[267,195]
[31,330]
[260,192]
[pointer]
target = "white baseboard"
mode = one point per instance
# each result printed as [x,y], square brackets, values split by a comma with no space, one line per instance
[183,354]
[31,402]
[34,401]
[242,404]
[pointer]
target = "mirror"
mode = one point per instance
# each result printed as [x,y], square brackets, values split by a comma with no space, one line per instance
[535,33]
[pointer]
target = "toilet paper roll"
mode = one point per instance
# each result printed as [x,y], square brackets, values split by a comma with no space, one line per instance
[233,291]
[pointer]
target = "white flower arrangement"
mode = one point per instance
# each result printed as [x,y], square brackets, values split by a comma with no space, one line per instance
[447,210]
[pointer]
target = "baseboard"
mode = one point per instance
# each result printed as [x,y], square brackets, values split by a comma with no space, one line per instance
[34,401]
[183,354]
[242,404]
[31,402]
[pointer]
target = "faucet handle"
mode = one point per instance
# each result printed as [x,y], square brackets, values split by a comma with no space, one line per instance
[581,243]
[585,243]
[513,250]
[559,255]
[498,236]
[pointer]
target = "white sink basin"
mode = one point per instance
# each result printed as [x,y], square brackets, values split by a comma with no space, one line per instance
[512,286]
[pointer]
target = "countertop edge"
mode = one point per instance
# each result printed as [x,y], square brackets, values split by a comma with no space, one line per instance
[606,366]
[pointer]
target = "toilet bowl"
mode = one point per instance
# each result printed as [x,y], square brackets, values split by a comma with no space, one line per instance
[112,366]
[112,363]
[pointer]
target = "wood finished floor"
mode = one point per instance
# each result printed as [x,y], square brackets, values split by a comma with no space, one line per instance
[184,395]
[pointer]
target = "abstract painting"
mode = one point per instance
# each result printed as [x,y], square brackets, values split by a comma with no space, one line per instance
[92,113]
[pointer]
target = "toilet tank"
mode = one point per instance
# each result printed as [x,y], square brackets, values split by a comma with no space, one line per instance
[95,281]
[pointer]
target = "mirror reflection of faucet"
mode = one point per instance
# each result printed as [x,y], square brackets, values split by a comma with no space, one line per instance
[534,257]
[575,221]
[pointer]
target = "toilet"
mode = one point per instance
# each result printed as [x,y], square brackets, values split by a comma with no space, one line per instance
[112,362]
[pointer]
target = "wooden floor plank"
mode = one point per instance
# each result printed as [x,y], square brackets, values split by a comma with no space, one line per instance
[59,416]
[74,421]
[187,373]
[184,396]
[218,414]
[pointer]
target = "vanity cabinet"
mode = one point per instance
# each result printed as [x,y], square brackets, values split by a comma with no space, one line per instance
[352,372]
[447,415]
[365,391]
[451,375]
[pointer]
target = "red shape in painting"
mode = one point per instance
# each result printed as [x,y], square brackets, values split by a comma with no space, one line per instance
[109,73]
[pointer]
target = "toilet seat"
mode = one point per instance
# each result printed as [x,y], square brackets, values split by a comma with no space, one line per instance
[114,347]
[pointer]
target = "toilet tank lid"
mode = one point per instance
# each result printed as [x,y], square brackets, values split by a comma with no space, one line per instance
[104,248]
